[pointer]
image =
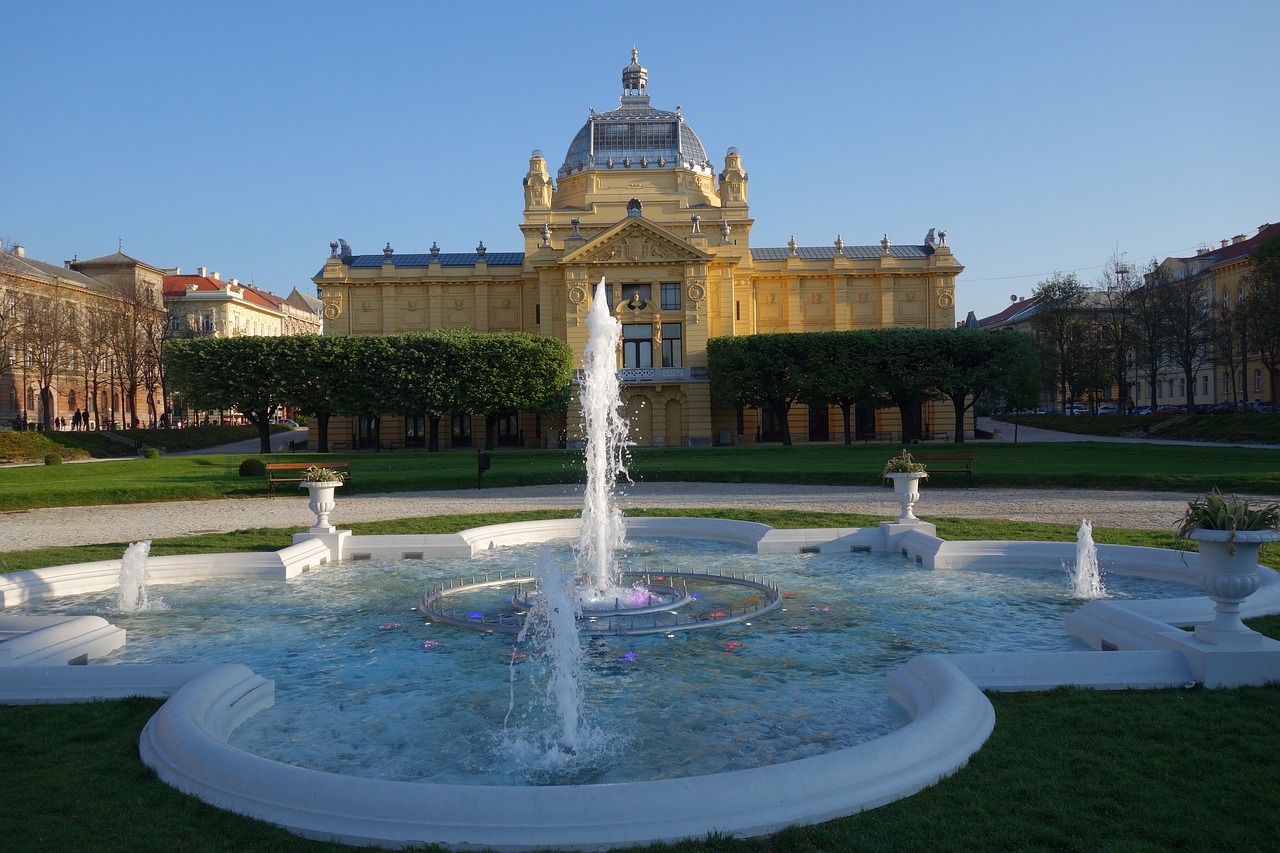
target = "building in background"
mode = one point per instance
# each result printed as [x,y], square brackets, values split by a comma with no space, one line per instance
[79,343]
[637,201]
[204,305]
[1231,372]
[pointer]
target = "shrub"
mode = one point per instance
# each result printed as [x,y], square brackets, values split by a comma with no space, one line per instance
[252,468]
[301,420]
[151,453]
[53,459]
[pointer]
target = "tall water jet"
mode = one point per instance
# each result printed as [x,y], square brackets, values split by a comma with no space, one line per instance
[552,627]
[1086,577]
[132,596]
[606,433]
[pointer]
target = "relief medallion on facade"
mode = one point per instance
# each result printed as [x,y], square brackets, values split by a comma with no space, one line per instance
[333,307]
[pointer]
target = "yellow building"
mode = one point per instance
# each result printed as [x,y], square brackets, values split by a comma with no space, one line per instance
[1236,382]
[637,201]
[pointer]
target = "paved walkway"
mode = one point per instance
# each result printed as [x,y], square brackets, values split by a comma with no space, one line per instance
[90,525]
[40,528]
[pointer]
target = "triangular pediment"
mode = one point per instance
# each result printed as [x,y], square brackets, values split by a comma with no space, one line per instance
[636,240]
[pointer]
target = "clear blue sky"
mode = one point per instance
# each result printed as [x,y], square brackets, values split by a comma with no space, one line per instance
[246,136]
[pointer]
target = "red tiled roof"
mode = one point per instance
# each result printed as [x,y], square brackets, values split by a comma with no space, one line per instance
[178,286]
[1007,314]
[1236,251]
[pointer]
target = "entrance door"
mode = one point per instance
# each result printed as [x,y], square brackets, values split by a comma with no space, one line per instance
[819,422]
[461,432]
[674,414]
[640,418]
[864,422]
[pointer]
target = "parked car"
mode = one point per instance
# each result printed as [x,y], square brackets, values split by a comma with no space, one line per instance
[1259,407]
[1169,410]
[1108,409]
[1077,409]
[291,424]
[1142,410]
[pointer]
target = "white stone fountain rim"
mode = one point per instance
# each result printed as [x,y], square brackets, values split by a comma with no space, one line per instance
[186,741]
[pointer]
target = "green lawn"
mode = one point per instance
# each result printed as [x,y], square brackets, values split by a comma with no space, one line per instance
[1002,464]
[1071,770]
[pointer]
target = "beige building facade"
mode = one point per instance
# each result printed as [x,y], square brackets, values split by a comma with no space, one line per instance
[204,305]
[637,201]
[80,341]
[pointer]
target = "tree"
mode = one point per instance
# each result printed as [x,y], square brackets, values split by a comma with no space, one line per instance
[1059,314]
[974,363]
[1150,328]
[1262,308]
[93,340]
[906,364]
[1115,287]
[507,372]
[762,371]
[1228,335]
[310,367]
[135,334]
[229,373]
[1190,325]
[839,371]
[48,325]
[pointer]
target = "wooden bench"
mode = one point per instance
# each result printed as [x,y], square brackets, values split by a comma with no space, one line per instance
[291,472]
[929,458]
[13,455]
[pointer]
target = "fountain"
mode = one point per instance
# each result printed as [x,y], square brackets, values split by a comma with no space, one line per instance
[1086,577]
[606,433]
[187,741]
[133,578]
[610,607]
[553,621]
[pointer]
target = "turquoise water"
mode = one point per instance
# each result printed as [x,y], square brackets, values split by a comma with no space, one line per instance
[366,686]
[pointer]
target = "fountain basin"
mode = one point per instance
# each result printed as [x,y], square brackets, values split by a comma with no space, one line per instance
[187,740]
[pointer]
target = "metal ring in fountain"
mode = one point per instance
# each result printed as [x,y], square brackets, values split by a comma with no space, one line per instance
[656,597]
[661,620]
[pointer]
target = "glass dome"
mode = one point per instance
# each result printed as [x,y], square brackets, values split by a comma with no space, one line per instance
[635,136]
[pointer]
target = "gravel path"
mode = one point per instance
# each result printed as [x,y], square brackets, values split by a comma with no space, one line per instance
[41,528]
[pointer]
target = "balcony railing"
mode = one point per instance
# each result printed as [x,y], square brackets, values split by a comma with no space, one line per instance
[655,375]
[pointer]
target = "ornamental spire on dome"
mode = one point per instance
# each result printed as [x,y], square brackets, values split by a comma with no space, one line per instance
[635,78]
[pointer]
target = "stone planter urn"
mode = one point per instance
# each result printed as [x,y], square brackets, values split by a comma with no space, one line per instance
[906,488]
[1229,574]
[322,503]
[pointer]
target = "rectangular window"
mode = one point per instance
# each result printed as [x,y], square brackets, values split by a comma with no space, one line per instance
[206,322]
[636,296]
[1257,380]
[537,313]
[737,309]
[1205,389]
[672,345]
[670,297]
[1182,387]
[637,345]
